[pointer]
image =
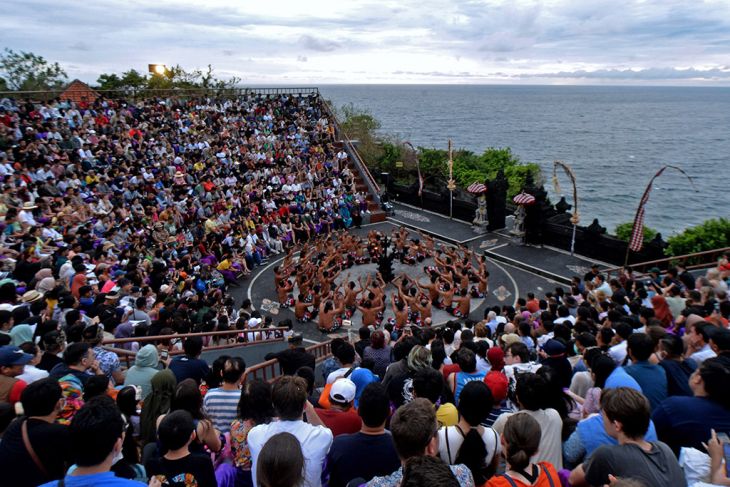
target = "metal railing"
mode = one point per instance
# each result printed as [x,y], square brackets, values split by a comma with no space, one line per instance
[268,335]
[698,260]
[270,370]
[165,92]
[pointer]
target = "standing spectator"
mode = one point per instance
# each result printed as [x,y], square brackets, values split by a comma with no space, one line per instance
[370,452]
[42,401]
[97,434]
[415,433]
[178,465]
[626,415]
[289,396]
[221,403]
[190,366]
[293,357]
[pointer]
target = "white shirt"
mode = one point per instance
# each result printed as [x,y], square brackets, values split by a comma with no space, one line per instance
[551,426]
[448,450]
[618,352]
[31,374]
[703,354]
[314,440]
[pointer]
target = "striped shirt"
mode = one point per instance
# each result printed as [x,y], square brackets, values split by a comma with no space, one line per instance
[222,407]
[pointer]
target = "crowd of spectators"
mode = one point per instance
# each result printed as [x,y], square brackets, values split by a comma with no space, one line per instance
[128,220]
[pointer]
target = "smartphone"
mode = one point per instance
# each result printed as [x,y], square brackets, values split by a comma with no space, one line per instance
[725,440]
[164,355]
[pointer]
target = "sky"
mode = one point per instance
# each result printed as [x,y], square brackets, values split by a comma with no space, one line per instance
[652,42]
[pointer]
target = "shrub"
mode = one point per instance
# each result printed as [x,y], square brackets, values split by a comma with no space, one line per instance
[624,230]
[712,234]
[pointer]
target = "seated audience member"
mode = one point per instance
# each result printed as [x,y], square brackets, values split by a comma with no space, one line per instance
[687,421]
[677,368]
[281,462]
[42,401]
[415,433]
[626,414]
[520,442]
[651,377]
[468,442]
[429,384]
[341,418]
[97,436]
[370,452]
[221,403]
[144,368]
[425,470]
[12,361]
[189,365]
[467,361]
[531,394]
[178,465]
[289,397]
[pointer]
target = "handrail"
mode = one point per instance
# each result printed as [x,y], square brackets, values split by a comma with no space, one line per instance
[268,370]
[188,335]
[173,90]
[356,157]
[679,258]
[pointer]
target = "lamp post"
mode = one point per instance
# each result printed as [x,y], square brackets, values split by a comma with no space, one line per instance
[451,186]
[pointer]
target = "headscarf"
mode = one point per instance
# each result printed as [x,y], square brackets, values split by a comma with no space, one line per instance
[20,334]
[43,273]
[156,403]
[125,330]
[662,311]
[46,284]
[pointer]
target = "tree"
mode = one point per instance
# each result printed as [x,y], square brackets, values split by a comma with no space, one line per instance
[710,235]
[25,71]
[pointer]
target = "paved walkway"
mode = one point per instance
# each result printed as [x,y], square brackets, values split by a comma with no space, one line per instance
[514,269]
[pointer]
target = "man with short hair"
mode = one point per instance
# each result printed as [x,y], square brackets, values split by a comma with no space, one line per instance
[12,361]
[42,401]
[221,403]
[415,433]
[618,349]
[190,366]
[626,418]
[698,338]
[651,377]
[428,383]
[294,357]
[97,434]
[345,354]
[517,362]
[289,397]
[371,451]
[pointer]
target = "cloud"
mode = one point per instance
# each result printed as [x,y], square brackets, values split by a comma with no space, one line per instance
[319,44]
[643,74]
[302,59]
[80,46]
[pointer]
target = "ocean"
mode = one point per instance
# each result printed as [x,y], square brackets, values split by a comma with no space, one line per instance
[614,138]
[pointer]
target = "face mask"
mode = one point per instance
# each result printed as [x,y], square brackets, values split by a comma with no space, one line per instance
[575,349]
[117,457]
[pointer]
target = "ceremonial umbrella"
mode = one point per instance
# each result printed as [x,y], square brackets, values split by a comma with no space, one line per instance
[477,188]
[524,199]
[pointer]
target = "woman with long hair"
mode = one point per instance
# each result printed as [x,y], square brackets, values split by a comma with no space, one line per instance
[156,403]
[254,408]
[468,442]
[281,462]
[187,397]
[520,441]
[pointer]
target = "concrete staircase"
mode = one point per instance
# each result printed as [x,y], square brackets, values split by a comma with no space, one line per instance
[376,213]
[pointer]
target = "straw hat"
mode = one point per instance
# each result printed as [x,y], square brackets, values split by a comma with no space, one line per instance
[31,296]
[29,206]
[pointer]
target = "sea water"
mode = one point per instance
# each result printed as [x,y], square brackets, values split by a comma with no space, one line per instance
[615,138]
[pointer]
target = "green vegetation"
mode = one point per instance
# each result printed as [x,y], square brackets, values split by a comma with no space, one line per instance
[174,77]
[712,234]
[623,232]
[382,154]
[25,71]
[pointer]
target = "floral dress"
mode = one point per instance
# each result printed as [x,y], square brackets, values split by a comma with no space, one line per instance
[239,443]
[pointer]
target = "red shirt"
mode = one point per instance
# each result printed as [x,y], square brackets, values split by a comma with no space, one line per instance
[533,306]
[340,422]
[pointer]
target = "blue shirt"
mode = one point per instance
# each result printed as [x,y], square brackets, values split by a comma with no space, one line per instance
[185,367]
[619,378]
[652,379]
[106,479]
[686,421]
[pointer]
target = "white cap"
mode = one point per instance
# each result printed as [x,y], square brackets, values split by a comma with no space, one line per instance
[343,391]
